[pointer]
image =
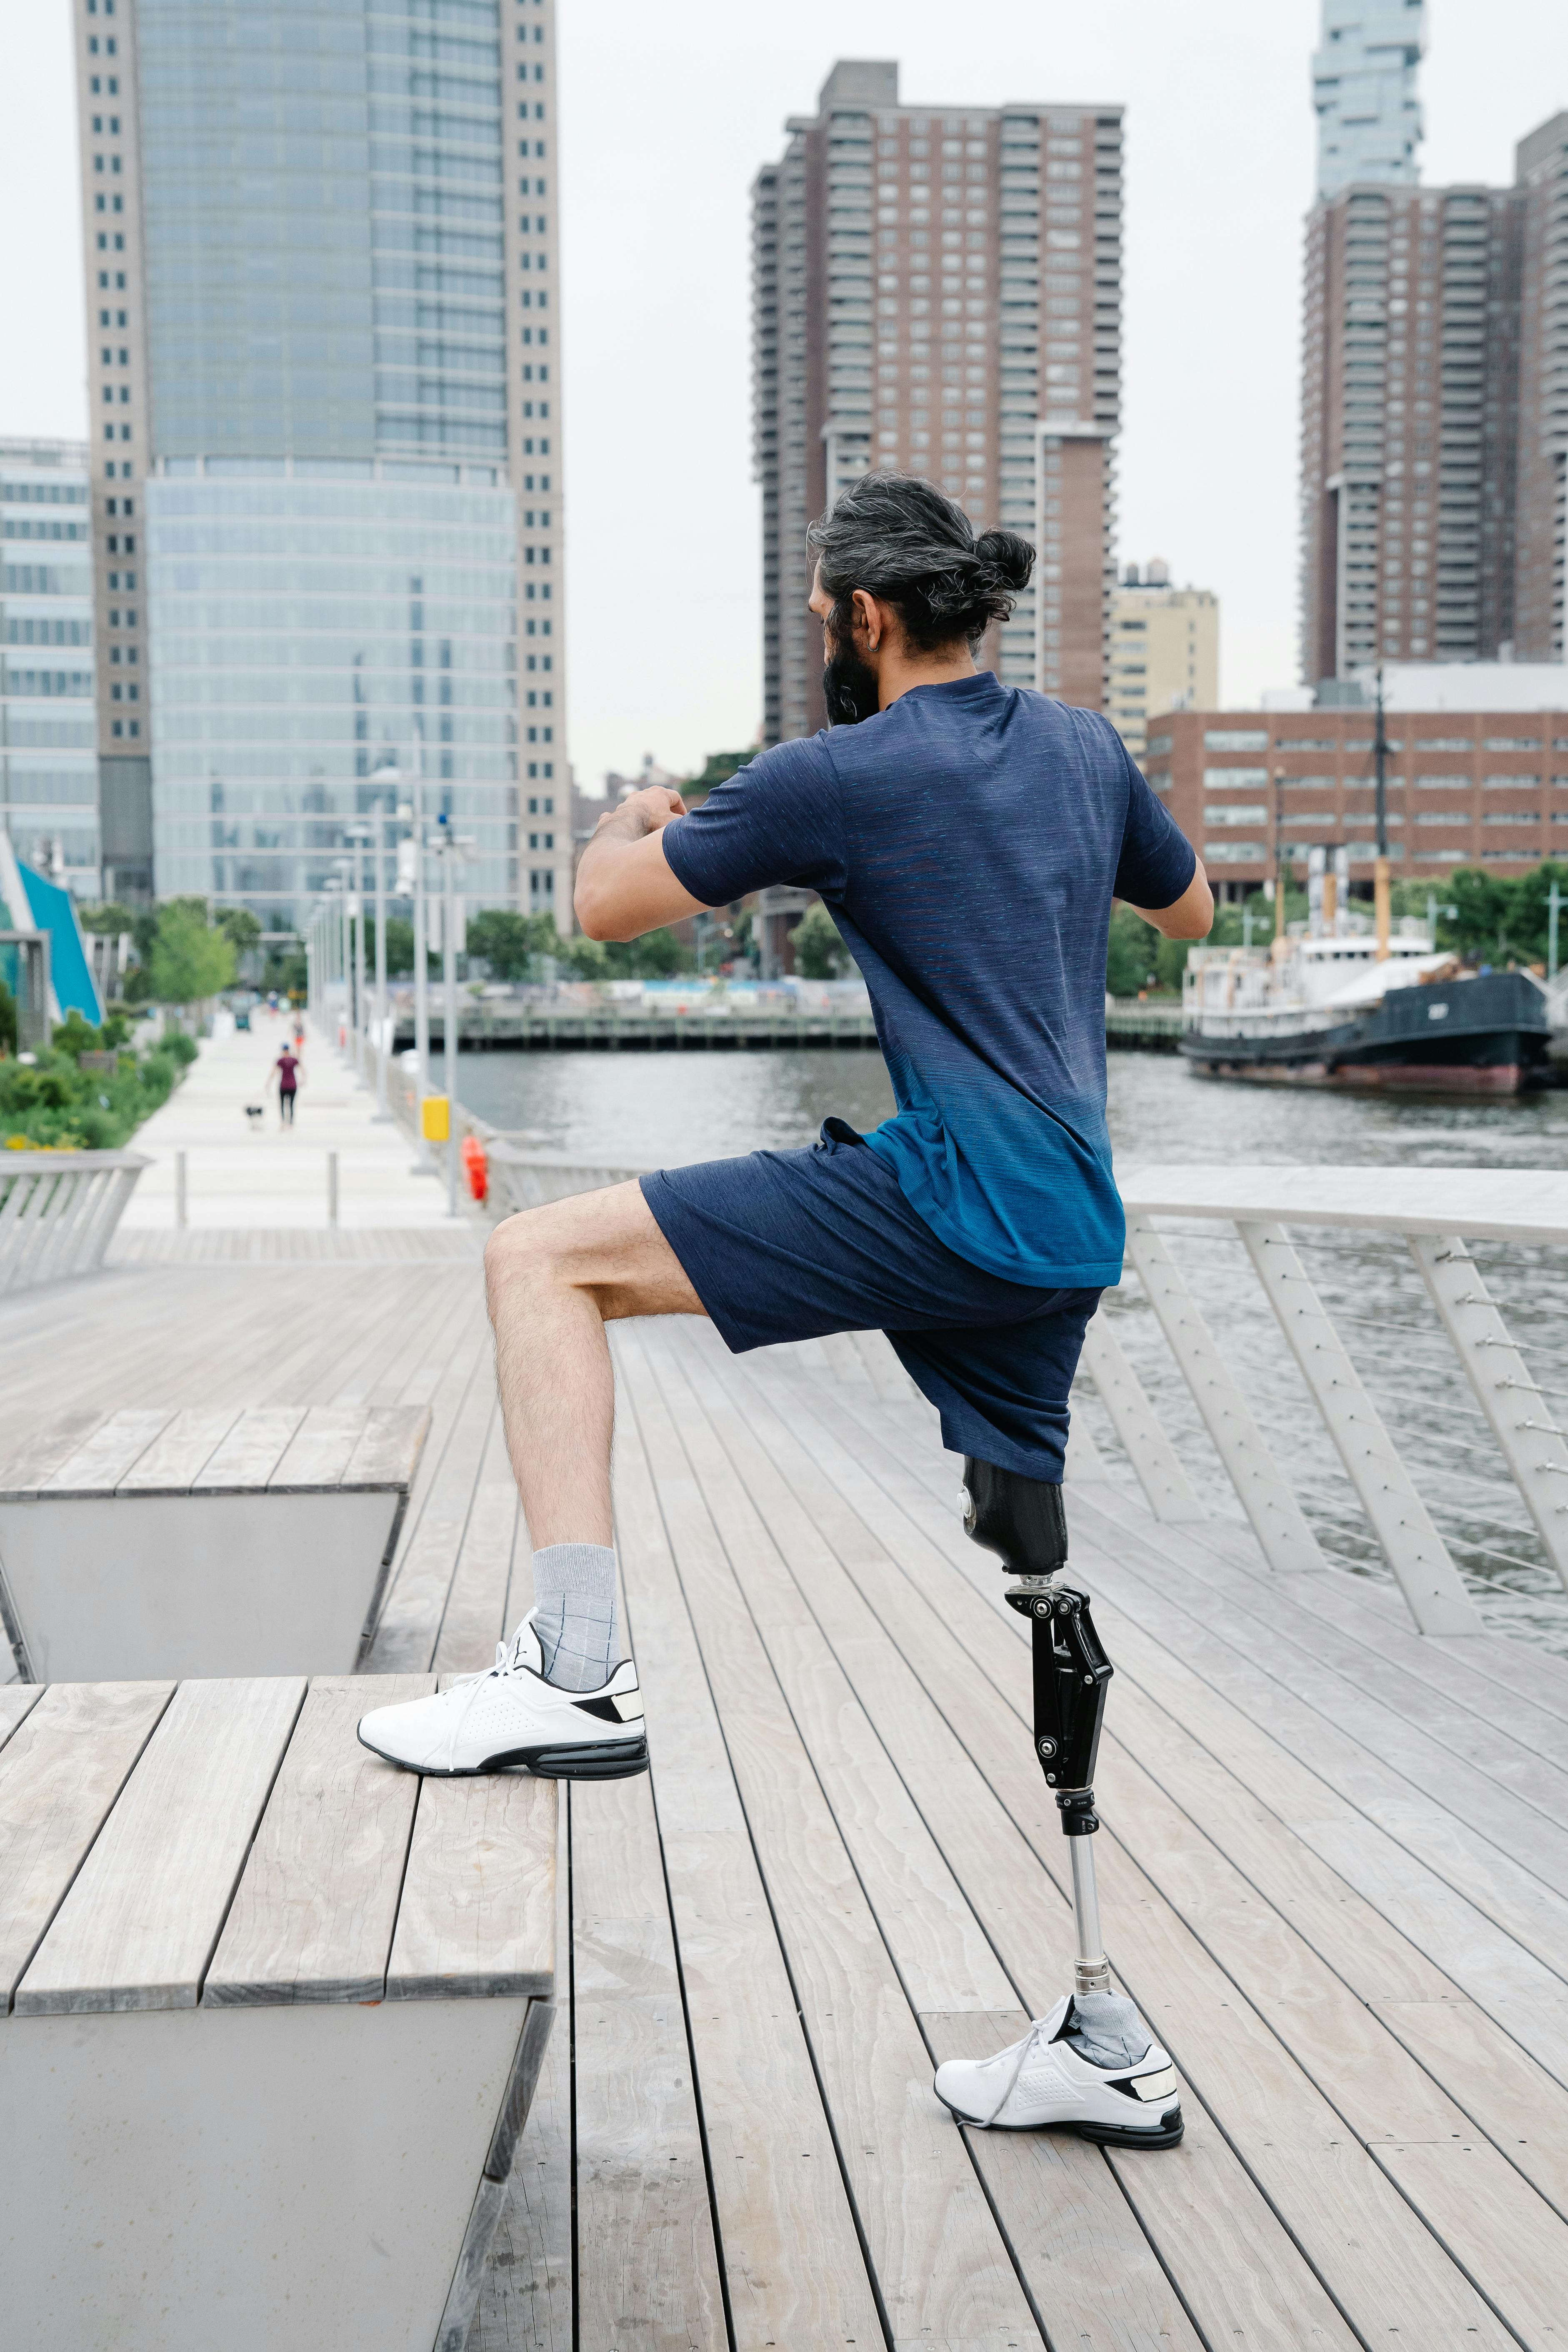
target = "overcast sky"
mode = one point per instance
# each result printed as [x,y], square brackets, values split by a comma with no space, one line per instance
[667,112]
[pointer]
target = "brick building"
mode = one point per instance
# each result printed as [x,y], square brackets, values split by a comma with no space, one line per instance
[1464,788]
[1435,418]
[939,291]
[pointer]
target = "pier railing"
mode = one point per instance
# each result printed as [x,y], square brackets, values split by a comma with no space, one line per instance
[59,1211]
[1373,1362]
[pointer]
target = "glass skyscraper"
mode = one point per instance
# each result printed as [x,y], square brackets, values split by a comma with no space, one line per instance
[321,239]
[49,783]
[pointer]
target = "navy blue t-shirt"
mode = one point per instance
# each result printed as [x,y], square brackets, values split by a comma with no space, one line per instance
[968,842]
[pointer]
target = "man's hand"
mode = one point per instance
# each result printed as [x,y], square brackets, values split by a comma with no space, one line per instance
[641,814]
[625,886]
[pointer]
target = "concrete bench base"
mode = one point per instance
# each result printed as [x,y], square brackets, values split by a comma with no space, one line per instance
[257,2178]
[122,1586]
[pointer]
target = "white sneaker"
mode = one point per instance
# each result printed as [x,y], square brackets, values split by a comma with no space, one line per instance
[1042,2081]
[512,1715]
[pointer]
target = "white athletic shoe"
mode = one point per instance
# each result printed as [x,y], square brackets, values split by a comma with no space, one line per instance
[1042,2081]
[510,1715]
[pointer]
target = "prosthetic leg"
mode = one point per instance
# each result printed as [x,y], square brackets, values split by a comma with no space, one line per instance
[1091,2063]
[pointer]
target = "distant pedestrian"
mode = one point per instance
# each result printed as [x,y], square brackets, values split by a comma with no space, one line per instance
[289,1071]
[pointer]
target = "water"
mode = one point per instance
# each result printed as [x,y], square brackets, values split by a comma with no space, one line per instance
[674,1106]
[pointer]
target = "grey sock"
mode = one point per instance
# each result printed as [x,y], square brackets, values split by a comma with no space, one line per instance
[574,1614]
[1106,2029]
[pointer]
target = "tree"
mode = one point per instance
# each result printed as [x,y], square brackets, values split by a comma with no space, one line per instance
[109,917]
[1131,954]
[819,952]
[190,960]
[1482,905]
[504,939]
[1528,915]
[240,927]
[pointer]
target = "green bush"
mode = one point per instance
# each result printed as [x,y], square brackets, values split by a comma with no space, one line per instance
[55,1103]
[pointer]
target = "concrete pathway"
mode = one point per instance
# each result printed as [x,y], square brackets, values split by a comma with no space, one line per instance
[259,1174]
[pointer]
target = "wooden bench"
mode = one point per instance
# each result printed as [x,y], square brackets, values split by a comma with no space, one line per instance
[271,2013]
[202,1542]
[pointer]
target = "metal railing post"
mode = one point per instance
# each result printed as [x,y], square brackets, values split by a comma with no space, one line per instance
[180,1196]
[331,1188]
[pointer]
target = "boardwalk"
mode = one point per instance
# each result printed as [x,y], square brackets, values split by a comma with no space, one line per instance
[1334,1867]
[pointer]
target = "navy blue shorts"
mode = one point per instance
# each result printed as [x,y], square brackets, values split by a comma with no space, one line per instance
[795,1244]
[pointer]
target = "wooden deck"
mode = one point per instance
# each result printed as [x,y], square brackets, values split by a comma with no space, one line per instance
[1334,1870]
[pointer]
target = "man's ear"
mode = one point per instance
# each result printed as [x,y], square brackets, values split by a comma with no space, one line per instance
[867,617]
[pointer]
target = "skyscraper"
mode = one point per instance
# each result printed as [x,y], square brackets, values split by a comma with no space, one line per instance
[1364,88]
[49,776]
[1541,527]
[939,291]
[325,336]
[1165,651]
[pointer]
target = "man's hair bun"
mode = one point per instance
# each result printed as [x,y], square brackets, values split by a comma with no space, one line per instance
[902,540]
[1011,558]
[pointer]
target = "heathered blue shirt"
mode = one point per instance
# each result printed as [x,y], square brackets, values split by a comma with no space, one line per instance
[968,842]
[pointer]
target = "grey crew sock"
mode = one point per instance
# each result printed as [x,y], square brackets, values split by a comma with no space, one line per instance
[574,1614]
[1106,2029]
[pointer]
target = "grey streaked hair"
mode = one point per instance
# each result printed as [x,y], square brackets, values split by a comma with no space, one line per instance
[902,540]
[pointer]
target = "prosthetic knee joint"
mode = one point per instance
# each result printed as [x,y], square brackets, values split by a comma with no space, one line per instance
[1023,1521]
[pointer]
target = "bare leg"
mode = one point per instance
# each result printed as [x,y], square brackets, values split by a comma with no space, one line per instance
[555,1276]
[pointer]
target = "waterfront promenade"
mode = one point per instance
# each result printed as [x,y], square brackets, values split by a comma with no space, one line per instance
[1334,1863]
[262,1177]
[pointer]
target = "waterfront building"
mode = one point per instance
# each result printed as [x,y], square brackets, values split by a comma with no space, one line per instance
[1541,530]
[938,289]
[1363,88]
[1165,650]
[48,769]
[1474,786]
[325,344]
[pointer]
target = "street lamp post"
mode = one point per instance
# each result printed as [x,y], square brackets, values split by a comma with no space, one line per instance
[453,846]
[387,775]
[424,1162]
[359,834]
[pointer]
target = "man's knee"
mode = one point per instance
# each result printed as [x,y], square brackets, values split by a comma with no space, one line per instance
[522,1252]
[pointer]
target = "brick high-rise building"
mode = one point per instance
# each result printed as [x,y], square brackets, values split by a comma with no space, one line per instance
[324,311]
[1542,525]
[939,291]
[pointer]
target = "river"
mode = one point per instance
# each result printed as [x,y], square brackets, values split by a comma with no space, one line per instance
[650,1107]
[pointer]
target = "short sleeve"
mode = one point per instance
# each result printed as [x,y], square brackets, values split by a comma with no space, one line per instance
[777,820]
[1157,860]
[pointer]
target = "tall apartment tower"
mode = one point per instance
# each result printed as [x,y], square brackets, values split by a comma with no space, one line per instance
[1541,527]
[938,292]
[48,773]
[1363,88]
[1409,418]
[324,311]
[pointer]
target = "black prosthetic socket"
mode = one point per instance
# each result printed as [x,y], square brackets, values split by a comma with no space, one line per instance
[1024,1521]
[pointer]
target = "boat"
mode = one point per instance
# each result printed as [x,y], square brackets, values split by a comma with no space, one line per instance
[1330,1011]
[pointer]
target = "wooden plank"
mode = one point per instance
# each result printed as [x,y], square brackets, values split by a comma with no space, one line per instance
[145,1909]
[526,2292]
[940,2268]
[102,1460]
[1322,2183]
[1065,2217]
[180,1453]
[60,1773]
[18,1701]
[246,1460]
[388,1451]
[320,1450]
[439,1507]
[35,1455]
[314,1915]
[793,2262]
[1239,2273]
[477,1918]
[474,1617]
[647,2266]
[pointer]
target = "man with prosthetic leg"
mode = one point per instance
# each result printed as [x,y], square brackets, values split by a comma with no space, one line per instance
[968,839]
[1089,2063]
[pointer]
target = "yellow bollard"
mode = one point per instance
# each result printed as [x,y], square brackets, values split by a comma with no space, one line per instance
[436,1119]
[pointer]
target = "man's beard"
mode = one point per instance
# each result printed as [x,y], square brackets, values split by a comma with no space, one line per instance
[849,688]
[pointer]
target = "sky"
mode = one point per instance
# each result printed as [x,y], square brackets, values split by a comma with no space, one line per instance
[667,113]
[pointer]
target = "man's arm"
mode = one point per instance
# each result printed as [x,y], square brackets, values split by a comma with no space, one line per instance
[625,886]
[1192,915]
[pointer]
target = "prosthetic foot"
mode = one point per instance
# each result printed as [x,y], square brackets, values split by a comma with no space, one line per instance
[1089,2064]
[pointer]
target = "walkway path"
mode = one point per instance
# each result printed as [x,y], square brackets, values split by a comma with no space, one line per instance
[259,1176]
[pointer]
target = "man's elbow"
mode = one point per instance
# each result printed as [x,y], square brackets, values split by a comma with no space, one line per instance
[594,917]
